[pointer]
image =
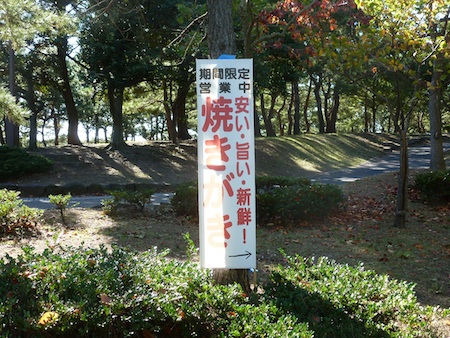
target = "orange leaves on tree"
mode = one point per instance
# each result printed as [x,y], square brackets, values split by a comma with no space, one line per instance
[303,28]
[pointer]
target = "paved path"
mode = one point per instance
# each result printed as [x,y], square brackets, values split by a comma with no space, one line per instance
[419,158]
[88,201]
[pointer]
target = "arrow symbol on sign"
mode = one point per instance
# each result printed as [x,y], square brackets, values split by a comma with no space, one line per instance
[248,254]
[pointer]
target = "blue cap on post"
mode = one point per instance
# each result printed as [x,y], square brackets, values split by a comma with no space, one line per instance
[227,56]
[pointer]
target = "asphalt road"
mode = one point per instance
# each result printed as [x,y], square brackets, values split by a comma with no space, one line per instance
[419,158]
[88,201]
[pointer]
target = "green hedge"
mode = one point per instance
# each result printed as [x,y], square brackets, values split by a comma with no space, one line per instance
[298,203]
[281,200]
[434,185]
[96,293]
[185,199]
[345,301]
[82,292]
[15,162]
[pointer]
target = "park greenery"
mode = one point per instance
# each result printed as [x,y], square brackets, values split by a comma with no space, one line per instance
[82,291]
[17,162]
[103,293]
[128,66]
[93,292]
[125,69]
[279,200]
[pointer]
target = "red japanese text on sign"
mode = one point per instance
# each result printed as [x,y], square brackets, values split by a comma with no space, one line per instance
[226,163]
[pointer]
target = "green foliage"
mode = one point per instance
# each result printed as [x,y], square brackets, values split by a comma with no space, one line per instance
[16,162]
[93,292]
[435,185]
[83,292]
[281,200]
[268,183]
[343,301]
[185,199]
[136,199]
[191,249]
[16,218]
[289,204]
[61,202]
[10,108]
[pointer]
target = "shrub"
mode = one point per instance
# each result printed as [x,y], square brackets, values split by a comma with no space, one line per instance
[434,185]
[136,199]
[268,183]
[61,202]
[16,218]
[298,202]
[118,293]
[82,292]
[16,162]
[185,199]
[282,200]
[344,301]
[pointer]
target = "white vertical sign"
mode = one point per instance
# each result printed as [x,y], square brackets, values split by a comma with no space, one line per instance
[226,163]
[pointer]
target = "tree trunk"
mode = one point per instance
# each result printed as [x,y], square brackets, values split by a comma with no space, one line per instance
[366,114]
[420,125]
[2,139]
[270,130]
[66,90]
[398,117]
[402,193]
[320,118]
[247,21]
[226,277]
[289,112]
[278,113]
[221,39]
[434,111]
[43,133]
[305,108]
[96,126]
[115,96]
[56,128]
[366,118]
[12,129]
[179,110]
[374,115]
[31,101]
[296,96]
[168,112]
[86,127]
[256,124]
[331,120]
